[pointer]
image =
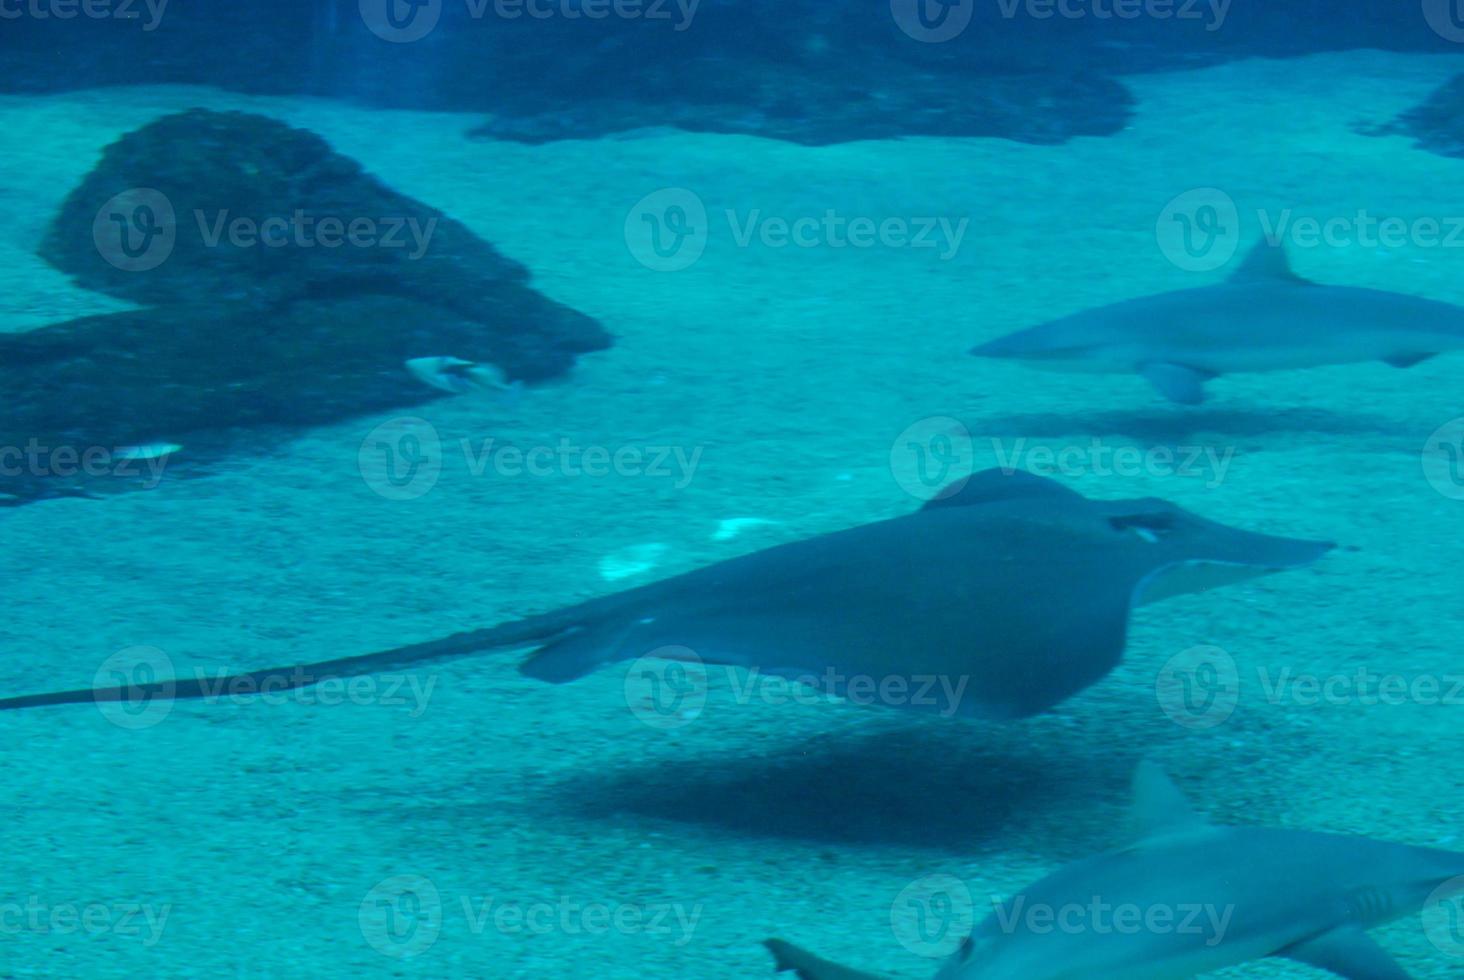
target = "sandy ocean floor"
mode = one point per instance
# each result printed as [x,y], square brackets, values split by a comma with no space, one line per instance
[524,830]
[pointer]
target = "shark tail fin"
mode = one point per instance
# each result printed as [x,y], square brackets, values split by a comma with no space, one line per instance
[533,630]
[806,966]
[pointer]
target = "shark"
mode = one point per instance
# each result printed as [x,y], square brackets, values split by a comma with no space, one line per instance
[1264,317]
[1190,897]
[1002,596]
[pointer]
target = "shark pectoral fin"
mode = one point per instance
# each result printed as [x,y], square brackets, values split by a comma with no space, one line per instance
[1159,807]
[1408,360]
[1348,952]
[1178,383]
[786,956]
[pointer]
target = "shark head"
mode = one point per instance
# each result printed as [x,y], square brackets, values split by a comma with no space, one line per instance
[1064,343]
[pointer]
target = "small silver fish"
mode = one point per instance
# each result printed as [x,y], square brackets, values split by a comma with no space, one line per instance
[459,377]
[151,450]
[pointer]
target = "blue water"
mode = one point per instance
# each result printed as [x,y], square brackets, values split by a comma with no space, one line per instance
[677,284]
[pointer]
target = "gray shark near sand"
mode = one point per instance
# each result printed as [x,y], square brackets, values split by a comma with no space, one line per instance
[1263,318]
[997,599]
[1190,897]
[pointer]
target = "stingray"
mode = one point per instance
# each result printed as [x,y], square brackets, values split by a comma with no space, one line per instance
[1191,897]
[1001,597]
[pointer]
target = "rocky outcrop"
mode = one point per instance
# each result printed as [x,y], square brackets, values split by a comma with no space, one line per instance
[1436,124]
[282,286]
[242,212]
[807,107]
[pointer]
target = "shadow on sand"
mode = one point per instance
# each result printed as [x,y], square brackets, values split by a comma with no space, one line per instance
[1168,425]
[914,787]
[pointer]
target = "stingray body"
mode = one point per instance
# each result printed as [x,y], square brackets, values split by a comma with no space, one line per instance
[1010,594]
[1190,897]
[1263,318]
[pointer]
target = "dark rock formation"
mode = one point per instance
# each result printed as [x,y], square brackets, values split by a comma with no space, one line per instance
[207,379]
[534,64]
[260,324]
[1437,123]
[803,106]
[242,211]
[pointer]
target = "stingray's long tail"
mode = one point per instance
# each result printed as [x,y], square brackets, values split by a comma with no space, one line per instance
[535,630]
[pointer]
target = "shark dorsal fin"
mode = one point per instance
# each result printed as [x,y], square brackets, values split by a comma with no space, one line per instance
[993,485]
[1160,809]
[1267,262]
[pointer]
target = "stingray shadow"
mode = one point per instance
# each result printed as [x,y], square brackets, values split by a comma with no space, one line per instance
[917,787]
[1162,426]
